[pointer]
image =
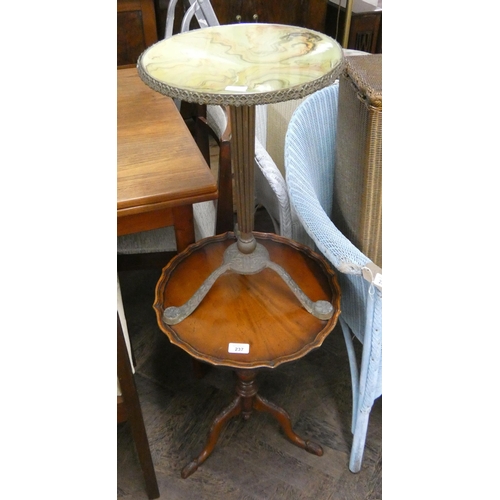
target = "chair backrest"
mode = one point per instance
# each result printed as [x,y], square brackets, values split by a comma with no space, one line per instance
[202,9]
[312,136]
[271,124]
[358,169]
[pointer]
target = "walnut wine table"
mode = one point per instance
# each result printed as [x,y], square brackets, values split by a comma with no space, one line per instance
[241,66]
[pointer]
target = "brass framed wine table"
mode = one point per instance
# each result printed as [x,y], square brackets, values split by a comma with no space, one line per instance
[248,322]
[241,66]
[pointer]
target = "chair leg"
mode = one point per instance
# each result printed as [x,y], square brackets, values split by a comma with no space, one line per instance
[353,364]
[200,132]
[134,415]
[225,218]
[359,425]
[372,351]
[359,440]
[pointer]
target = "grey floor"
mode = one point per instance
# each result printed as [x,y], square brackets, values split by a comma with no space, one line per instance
[253,460]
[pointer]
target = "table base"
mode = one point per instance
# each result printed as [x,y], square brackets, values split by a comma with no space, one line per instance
[244,403]
[246,263]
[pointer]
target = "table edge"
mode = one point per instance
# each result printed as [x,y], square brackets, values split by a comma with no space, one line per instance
[317,342]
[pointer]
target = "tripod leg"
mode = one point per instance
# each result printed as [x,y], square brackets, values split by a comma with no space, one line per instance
[261,404]
[213,435]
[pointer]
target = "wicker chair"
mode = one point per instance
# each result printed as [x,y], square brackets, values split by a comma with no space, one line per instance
[310,162]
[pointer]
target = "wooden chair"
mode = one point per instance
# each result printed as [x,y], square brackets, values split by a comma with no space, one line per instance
[217,125]
[129,409]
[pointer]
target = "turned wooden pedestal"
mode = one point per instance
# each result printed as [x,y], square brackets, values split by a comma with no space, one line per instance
[244,403]
[258,313]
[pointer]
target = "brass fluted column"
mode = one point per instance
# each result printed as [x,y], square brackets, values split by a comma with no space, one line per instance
[242,159]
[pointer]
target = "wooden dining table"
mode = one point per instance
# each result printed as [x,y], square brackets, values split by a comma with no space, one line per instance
[161,171]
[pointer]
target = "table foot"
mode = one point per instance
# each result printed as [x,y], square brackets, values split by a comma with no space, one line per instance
[261,404]
[246,263]
[218,424]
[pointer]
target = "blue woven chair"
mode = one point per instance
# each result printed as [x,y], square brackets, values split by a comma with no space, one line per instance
[309,164]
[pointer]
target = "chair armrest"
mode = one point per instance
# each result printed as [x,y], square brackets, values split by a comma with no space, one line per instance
[219,123]
[345,257]
[271,190]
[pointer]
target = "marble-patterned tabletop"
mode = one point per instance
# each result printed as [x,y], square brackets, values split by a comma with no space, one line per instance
[241,64]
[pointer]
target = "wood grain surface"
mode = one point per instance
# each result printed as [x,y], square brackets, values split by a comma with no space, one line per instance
[258,309]
[159,163]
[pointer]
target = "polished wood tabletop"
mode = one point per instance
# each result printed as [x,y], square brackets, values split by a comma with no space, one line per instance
[259,309]
[161,170]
